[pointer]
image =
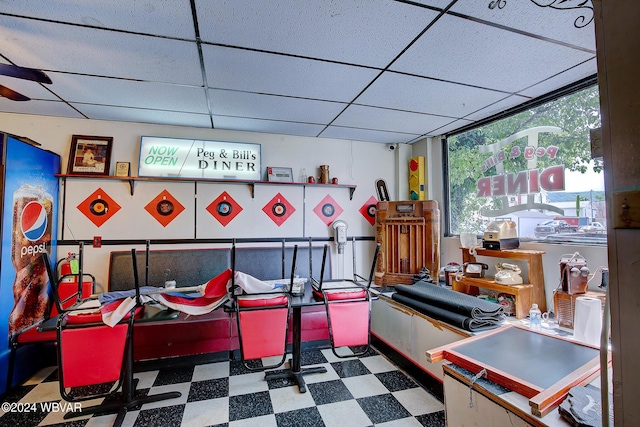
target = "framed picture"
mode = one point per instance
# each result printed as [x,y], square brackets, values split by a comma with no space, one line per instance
[90,155]
[122,168]
[279,174]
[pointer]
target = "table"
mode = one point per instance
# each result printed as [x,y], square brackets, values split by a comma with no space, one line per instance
[150,314]
[295,371]
[538,366]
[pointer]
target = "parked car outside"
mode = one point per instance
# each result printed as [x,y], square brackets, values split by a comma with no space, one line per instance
[553,226]
[594,227]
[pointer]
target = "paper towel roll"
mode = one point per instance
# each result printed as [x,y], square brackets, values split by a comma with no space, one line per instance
[587,323]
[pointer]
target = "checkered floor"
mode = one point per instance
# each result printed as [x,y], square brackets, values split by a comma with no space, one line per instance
[363,391]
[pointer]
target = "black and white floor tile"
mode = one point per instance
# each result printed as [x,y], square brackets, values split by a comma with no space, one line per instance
[358,391]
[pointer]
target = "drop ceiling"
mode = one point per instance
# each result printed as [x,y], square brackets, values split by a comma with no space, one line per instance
[382,71]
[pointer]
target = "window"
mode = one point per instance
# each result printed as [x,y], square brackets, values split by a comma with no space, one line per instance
[533,168]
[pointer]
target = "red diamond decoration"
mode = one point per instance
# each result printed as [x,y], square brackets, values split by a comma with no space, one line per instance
[328,210]
[164,208]
[224,208]
[368,210]
[99,207]
[278,209]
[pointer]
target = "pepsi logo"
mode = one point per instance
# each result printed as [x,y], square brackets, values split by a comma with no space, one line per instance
[34,221]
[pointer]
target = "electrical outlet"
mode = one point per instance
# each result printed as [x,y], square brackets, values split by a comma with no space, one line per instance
[97,241]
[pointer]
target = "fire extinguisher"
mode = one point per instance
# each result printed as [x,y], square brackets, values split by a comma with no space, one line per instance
[68,268]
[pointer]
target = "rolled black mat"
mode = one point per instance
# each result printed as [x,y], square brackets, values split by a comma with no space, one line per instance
[450,300]
[456,319]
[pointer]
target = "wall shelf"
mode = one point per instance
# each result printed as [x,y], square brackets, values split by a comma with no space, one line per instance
[525,294]
[522,293]
[131,180]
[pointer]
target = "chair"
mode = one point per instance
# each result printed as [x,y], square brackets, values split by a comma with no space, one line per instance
[348,305]
[263,321]
[95,360]
[65,296]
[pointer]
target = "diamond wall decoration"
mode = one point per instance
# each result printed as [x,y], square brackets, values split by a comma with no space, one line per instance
[99,207]
[164,208]
[368,210]
[224,208]
[328,210]
[278,209]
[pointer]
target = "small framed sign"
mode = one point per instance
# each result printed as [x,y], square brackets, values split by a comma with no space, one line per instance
[279,174]
[122,168]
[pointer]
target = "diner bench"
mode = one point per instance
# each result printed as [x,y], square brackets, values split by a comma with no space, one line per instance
[215,331]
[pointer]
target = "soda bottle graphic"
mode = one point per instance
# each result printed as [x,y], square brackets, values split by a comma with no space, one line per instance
[30,241]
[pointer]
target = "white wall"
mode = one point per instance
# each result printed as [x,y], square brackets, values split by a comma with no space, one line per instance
[352,162]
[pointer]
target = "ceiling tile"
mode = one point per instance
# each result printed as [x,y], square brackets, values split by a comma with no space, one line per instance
[497,107]
[256,106]
[73,49]
[545,19]
[43,108]
[369,135]
[359,116]
[122,114]
[574,74]
[170,18]
[368,33]
[129,93]
[463,51]
[28,88]
[229,68]
[456,124]
[266,126]
[399,91]
[440,4]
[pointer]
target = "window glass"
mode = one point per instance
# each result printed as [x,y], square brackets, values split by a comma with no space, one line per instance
[533,168]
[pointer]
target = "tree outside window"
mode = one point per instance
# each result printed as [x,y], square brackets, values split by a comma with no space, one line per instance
[531,167]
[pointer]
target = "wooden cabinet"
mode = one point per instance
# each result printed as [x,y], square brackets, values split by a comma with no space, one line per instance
[532,291]
[484,403]
[412,333]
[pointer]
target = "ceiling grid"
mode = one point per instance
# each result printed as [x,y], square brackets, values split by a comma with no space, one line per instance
[378,71]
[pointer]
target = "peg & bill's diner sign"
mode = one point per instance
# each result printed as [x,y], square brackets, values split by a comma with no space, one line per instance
[196,158]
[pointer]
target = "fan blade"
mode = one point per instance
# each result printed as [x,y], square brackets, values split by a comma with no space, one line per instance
[24,73]
[12,94]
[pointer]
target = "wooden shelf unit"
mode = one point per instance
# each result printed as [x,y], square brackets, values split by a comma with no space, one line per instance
[133,179]
[532,291]
[522,293]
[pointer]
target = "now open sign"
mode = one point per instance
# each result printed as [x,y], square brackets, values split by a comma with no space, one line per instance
[197,158]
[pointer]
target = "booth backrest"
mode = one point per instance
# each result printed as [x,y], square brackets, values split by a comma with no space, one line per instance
[196,266]
[188,267]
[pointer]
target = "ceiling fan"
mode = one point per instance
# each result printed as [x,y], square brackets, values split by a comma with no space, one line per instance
[21,73]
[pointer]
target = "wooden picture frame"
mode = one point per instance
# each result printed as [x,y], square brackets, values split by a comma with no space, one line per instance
[90,155]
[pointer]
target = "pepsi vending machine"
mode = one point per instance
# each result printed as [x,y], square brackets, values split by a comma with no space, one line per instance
[29,212]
